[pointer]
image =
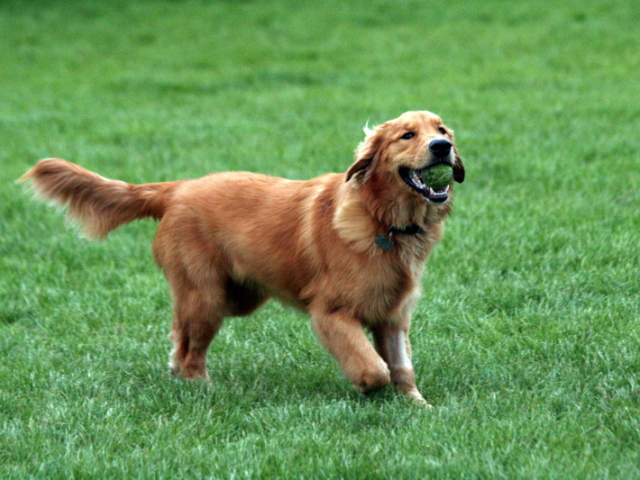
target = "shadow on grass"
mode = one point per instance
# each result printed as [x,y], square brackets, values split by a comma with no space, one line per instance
[258,81]
[9,316]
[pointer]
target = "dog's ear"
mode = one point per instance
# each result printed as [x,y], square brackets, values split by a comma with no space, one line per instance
[366,154]
[360,168]
[458,167]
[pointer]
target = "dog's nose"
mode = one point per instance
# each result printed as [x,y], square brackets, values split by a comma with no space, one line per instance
[440,147]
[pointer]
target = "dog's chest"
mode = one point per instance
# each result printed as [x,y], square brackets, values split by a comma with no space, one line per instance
[375,291]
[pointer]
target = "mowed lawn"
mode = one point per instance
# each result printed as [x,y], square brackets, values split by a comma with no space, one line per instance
[527,335]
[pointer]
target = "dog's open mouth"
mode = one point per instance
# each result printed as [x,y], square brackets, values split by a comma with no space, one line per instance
[413,178]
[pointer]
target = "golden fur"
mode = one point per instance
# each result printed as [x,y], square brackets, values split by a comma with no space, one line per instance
[229,241]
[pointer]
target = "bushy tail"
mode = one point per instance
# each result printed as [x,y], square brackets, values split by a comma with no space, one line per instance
[98,204]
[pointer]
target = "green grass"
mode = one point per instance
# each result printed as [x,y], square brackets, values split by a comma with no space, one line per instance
[527,335]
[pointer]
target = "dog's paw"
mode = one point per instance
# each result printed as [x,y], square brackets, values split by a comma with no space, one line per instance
[417,399]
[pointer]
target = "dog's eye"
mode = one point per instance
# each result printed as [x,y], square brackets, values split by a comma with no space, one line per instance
[408,136]
[442,130]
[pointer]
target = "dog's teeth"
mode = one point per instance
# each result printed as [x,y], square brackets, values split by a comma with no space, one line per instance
[439,192]
[415,177]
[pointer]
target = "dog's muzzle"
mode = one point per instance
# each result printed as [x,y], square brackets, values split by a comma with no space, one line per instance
[440,152]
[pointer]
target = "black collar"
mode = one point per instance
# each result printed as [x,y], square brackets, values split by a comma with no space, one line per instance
[412,229]
[385,243]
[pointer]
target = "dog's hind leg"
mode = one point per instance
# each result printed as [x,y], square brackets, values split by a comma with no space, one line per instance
[346,340]
[196,321]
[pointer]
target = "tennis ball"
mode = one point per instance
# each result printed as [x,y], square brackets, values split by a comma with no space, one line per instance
[437,176]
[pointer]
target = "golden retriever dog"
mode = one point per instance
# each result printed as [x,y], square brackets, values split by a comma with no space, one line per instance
[347,248]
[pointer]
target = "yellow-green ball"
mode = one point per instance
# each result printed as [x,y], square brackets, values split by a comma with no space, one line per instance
[438,177]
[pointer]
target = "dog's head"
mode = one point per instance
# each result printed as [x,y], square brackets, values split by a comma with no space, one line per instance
[400,150]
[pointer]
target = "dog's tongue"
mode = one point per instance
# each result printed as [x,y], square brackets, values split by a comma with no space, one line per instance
[437,196]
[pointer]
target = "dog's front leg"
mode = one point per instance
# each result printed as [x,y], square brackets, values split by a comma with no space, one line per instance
[346,340]
[393,345]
